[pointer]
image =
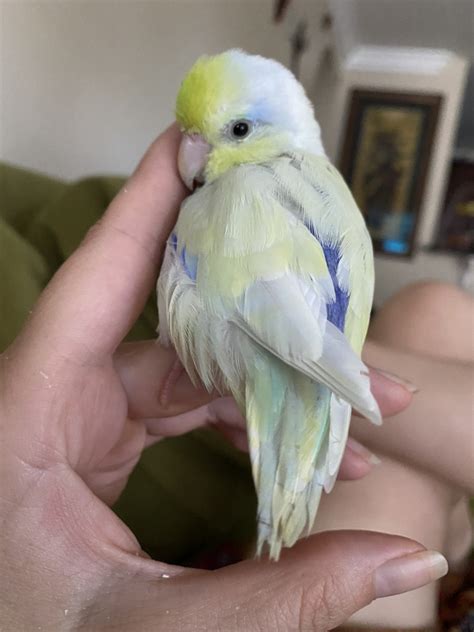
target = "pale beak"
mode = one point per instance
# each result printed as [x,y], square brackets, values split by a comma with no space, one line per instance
[192,159]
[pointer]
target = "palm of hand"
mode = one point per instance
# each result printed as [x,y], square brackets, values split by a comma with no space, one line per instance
[109,443]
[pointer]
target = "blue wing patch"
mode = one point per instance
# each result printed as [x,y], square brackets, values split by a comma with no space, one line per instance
[336,311]
[190,262]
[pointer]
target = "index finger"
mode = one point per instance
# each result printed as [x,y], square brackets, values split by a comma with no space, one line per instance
[95,297]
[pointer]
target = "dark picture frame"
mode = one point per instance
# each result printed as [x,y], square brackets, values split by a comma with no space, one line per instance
[456,224]
[385,158]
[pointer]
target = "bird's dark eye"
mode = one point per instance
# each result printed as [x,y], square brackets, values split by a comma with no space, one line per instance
[240,129]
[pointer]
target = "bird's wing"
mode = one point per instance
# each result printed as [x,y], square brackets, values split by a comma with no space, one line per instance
[288,317]
[315,192]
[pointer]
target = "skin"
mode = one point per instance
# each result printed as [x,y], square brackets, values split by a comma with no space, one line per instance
[76,412]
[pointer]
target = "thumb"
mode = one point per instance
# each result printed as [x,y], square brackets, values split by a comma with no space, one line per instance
[319,583]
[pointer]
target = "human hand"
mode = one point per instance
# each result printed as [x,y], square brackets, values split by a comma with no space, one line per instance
[75,416]
[437,417]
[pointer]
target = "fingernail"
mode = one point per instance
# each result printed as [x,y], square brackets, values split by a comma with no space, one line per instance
[407,573]
[412,388]
[362,451]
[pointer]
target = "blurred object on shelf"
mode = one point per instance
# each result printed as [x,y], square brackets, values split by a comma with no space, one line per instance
[456,226]
[386,155]
[457,599]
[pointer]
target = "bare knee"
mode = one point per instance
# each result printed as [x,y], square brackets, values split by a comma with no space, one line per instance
[428,297]
[416,303]
[429,317]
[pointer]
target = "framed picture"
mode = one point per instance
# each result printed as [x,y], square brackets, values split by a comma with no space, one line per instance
[385,158]
[456,226]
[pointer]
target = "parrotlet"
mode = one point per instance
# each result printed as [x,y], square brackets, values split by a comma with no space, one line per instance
[267,281]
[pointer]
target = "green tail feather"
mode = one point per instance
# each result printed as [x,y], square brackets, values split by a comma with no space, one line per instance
[287,418]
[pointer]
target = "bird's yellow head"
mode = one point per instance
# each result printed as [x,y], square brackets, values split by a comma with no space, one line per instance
[236,108]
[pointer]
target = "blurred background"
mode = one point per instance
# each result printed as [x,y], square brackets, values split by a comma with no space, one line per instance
[86,85]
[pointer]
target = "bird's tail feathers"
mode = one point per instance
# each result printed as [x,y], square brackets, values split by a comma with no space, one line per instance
[287,419]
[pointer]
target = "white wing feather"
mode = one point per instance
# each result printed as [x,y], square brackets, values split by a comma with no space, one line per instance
[298,332]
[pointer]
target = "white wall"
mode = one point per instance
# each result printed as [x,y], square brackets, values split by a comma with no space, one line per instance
[427,23]
[85,86]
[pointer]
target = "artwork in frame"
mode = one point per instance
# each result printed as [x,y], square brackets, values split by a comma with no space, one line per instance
[385,158]
[456,227]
